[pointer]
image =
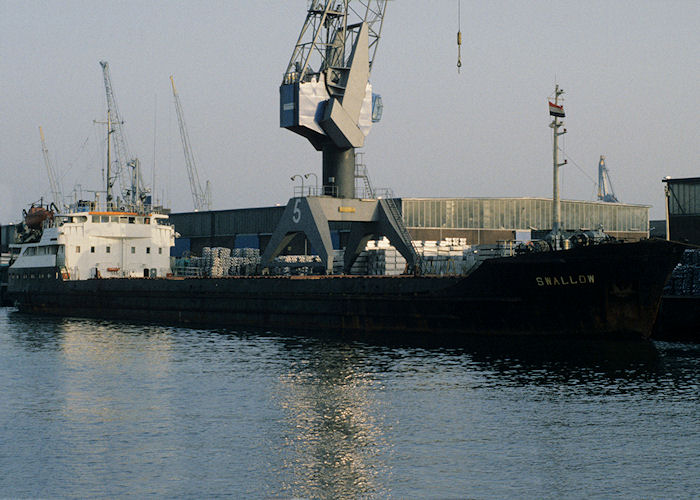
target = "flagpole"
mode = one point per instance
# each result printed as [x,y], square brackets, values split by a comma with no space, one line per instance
[557,111]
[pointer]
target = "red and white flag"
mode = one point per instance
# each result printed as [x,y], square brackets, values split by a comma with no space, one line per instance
[555,110]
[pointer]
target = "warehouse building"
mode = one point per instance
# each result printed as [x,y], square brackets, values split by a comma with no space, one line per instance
[478,220]
[683,199]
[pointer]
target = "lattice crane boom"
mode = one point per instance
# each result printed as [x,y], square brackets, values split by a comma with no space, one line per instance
[126,168]
[54,184]
[329,32]
[200,197]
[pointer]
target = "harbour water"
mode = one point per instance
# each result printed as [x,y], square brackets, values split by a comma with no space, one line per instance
[103,409]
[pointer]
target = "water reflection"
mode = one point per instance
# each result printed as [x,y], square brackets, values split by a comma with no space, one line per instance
[334,426]
[110,409]
[35,333]
[88,389]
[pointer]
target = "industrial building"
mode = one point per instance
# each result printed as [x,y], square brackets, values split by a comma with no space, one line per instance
[683,209]
[479,220]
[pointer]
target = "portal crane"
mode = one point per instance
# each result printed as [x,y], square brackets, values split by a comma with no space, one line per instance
[201,198]
[126,169]
[325,94]
[54,184]
[605,189]
[326,97]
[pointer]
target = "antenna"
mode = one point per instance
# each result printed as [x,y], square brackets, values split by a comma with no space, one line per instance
[155,128]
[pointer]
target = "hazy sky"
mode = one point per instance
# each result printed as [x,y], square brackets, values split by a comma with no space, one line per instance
[631,70]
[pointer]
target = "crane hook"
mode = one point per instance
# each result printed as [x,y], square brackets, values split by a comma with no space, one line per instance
[459,36]
[459,51]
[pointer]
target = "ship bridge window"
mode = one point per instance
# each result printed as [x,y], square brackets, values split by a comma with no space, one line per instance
[95,218]
[104,218]
[114,218]
[47,250]
[123,220]
[132,220]
[30,251]
[80,218]
[147,220]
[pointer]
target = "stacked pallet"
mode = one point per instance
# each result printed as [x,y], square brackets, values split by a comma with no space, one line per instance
[286,265]
[216,261]
[685,278]
[187,266]
[244,261]
[338,261]
[385,261]
[448,256]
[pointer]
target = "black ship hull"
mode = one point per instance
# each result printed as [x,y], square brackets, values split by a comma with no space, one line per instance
[679,318]
[607,290]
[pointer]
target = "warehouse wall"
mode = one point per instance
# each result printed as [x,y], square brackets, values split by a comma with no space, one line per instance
[7,236]
[479,220]
[684,209]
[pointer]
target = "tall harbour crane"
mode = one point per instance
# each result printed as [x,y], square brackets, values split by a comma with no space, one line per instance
[325,94]
[54,183]
[126,169]
[326,97]
[605,189]
[200,197]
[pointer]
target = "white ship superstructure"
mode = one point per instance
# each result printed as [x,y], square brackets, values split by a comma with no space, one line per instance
[86,242]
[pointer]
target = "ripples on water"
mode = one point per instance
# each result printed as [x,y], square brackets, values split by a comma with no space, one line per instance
[105,409]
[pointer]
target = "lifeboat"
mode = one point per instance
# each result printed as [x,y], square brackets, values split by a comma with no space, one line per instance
[37,214]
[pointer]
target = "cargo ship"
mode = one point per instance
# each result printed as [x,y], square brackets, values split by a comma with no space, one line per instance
[97,263]
[110,259]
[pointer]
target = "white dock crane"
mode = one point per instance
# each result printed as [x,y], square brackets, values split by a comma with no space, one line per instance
[605,189]
[326,97]
[126,169]
[200,197]
[325,94]
[54,183]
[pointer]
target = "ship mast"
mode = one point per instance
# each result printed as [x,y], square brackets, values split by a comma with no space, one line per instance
[557,111]
[109,179]
[109,163]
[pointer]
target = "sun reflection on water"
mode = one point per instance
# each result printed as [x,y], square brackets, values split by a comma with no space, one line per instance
[334,440]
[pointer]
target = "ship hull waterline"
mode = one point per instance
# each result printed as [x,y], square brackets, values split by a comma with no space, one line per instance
[611,290]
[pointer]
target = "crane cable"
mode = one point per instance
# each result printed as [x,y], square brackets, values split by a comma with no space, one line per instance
[459,36]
